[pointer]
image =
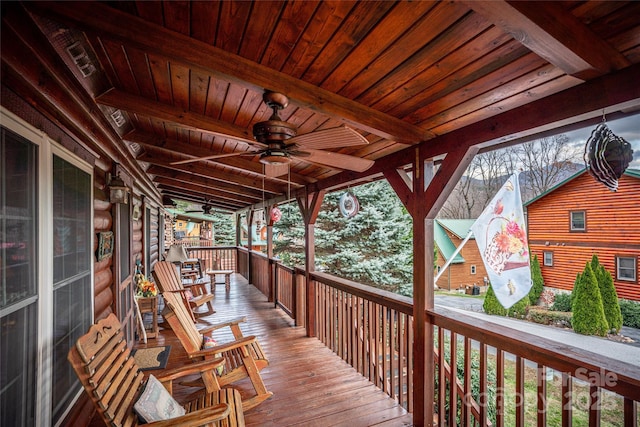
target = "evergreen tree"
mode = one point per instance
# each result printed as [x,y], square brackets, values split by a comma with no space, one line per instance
[491,305]
[609,295]
[288,236]
[538,281]
[588,311]
[374,247]
[224,232]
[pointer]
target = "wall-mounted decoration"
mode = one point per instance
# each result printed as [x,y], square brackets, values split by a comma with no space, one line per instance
[349,205]
[137,212]
[105,245]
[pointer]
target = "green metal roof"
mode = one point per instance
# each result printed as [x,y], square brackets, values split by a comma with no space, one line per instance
[459,227]
[635,173]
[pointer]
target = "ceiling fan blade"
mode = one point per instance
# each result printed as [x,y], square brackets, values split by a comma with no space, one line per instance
[338,137]
[336,160]
[276,169]
[215,156]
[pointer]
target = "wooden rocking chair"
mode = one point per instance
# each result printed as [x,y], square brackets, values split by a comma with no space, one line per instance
[240,361]
[194,295]
[113,381]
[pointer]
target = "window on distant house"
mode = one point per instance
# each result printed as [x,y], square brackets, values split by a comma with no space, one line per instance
[578,221]
[626,268]
[473,269]
[548,258]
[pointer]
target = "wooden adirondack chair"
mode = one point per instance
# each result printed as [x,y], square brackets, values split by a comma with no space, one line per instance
[194,295]
[113,381]
[240,361]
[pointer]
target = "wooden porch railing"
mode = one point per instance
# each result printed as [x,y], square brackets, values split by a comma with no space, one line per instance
[485,374]
[215,258]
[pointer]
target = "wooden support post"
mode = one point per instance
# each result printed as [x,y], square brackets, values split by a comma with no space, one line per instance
[271,297]
[310,207]
[423,194]
[249,245]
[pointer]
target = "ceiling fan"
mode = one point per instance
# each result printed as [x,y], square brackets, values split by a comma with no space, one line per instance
[205,209]
[278,143]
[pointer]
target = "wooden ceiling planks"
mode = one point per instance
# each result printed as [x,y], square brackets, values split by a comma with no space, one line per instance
[397,72]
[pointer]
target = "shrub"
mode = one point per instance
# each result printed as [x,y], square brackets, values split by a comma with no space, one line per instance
[630,313]
[588,312]
[547,317]
[562,303]
[491,305]
[538,282]
[609,300]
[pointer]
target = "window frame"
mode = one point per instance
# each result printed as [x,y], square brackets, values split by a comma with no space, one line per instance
[47,149]
[635,268]
[544,258]
[474,270]
[584,221]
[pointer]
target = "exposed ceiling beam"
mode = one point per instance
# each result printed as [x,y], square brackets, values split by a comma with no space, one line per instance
[107,22]
[180,117]
[206,191]
[188,196]
[240,164]
[231,182]
[614,92]
[547,29]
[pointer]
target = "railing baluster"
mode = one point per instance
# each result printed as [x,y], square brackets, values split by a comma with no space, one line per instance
[542,395]
[466,398]
[483,397]
[519,391]
[595,398]
[442,379]
[630,413]
[567,409]
[499,388]
[453,376]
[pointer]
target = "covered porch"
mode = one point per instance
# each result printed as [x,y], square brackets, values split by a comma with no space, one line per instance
[357,371]
[164,97]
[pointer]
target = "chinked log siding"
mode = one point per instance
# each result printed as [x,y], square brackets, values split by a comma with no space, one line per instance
[612,230]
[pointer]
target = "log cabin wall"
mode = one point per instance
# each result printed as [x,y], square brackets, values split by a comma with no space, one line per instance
[612,229]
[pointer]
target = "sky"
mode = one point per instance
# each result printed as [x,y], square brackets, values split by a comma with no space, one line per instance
[627,128]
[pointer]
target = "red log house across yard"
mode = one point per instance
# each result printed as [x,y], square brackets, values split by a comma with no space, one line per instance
[580,217]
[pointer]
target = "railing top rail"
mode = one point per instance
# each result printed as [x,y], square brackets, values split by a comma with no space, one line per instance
[612,374]
[211,247]
[388,299]
[281,266]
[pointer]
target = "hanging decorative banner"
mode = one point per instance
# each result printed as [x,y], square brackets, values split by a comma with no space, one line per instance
[607,156]
[349,205]
[275,214]
[502,240]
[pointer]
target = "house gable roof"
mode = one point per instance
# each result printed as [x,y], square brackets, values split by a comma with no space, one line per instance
[635,173]
[459,227]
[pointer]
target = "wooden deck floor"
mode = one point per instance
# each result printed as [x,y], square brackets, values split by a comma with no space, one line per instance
[311,385]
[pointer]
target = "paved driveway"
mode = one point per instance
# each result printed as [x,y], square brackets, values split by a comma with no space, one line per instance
[629,352]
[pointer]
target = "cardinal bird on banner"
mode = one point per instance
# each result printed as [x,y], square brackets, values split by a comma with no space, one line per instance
[502,240]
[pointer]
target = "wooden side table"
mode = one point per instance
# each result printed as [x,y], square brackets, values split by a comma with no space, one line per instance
[227,278]
[148,305]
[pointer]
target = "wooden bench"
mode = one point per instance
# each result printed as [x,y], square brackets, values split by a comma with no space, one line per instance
[227,278]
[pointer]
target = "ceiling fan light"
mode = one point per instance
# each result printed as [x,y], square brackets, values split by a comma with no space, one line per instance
[274,158]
